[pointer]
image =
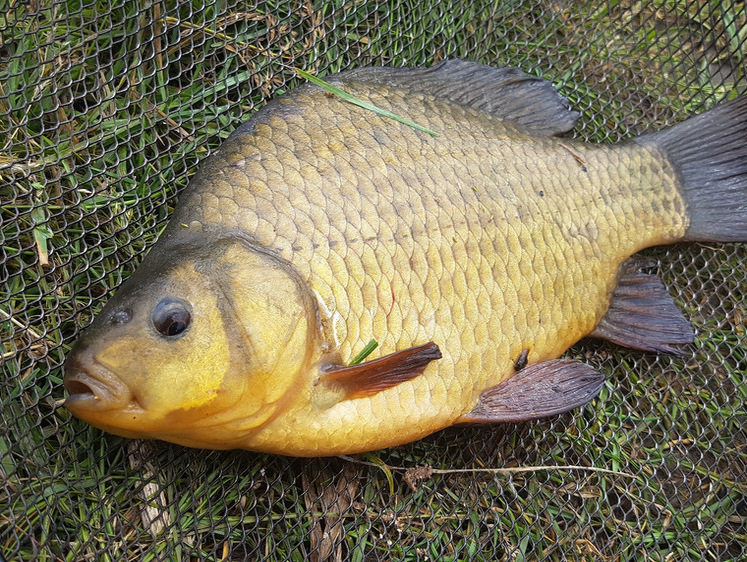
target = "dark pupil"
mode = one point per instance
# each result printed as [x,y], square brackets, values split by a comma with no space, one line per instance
[171,317]
[175,324]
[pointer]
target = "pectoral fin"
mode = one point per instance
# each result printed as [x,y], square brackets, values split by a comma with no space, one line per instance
[371,377]
[537,391]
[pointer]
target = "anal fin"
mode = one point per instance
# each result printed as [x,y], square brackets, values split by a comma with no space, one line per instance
[537,391]
[371,377]
[642,314]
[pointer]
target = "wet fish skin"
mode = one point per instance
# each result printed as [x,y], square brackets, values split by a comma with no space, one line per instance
[319,225]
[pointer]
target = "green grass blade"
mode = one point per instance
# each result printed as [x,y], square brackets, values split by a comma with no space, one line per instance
[365,352]
[359,102]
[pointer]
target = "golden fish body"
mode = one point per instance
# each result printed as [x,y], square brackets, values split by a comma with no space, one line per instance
[320,225]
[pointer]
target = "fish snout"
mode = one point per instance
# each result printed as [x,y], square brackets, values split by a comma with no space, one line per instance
[91,386]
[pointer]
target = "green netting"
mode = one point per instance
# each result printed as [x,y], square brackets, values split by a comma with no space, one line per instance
[106,109]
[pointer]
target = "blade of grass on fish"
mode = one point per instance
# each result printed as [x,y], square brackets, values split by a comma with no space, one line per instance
[359,102]
[365,352]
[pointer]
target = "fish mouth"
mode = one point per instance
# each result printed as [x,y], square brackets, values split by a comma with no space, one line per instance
[92,387]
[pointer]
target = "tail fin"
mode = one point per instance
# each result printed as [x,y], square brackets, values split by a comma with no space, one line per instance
[710,153]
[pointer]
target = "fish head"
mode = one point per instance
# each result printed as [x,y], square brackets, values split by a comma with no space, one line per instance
[201,346]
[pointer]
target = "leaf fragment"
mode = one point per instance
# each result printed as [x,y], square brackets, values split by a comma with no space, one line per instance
[42,234]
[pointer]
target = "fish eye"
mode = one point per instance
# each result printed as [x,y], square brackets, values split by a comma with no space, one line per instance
[171,317]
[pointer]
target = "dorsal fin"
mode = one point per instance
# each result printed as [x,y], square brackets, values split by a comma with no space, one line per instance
[526,101]
[371,377]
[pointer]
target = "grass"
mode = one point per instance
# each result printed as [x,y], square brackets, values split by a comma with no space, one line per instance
[359,102]
[101,125]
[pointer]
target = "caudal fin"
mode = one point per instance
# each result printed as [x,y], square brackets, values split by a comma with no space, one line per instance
[710,153]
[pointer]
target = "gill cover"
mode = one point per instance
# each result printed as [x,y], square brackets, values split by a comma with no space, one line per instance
[199,347]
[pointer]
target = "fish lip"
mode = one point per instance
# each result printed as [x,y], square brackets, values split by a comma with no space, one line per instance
[93,387]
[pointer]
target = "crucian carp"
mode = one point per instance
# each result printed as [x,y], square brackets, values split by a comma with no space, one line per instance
[475,257]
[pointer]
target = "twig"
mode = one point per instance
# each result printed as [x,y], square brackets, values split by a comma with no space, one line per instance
[513,470]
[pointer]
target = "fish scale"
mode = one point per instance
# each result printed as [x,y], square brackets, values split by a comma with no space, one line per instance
[328,224]
[472,293]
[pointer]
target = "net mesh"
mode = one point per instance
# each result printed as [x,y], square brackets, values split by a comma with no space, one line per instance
[106,108]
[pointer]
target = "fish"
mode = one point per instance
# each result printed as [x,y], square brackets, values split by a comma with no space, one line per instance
[475,256]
